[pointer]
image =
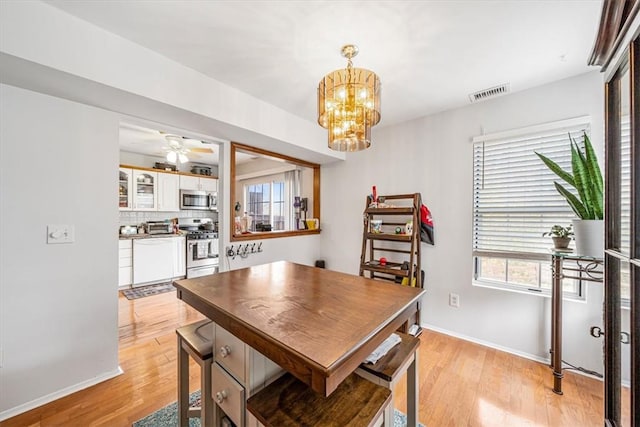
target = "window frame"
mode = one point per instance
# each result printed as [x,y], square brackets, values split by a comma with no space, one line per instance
[270,181]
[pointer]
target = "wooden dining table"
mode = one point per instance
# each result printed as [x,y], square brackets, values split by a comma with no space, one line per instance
[317,324]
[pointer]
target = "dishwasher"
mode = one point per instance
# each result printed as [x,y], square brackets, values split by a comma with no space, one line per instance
[152,260]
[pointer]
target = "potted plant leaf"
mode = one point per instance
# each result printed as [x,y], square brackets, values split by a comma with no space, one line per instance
[560,235]
[584,195]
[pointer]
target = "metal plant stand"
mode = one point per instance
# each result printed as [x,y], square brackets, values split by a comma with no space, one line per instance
[587,269]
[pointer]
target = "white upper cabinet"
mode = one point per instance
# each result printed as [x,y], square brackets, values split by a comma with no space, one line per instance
[197,183]
[209,184]
[168,192]
[125,189]
[146,190]
[145,195]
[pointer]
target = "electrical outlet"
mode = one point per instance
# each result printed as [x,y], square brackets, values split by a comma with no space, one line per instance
[454,300]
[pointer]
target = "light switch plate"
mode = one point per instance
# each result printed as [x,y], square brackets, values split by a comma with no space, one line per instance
[60,234]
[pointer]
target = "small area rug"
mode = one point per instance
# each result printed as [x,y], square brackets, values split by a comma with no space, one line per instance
[145,291]
[168,416]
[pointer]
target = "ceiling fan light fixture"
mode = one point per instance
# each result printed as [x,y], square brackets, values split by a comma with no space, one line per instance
[172,156]
[349,105]
[176,149]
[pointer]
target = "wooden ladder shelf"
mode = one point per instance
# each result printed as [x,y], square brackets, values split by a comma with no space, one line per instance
[402,250]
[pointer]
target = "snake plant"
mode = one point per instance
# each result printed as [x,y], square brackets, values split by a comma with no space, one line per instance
[585,177]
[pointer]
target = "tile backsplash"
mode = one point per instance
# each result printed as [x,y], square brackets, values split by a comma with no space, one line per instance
[139,217]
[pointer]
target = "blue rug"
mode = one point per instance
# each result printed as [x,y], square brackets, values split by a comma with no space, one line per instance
[168,416]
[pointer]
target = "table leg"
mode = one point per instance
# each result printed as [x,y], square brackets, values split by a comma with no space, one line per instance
[412,392]
[556,325]
[206,401]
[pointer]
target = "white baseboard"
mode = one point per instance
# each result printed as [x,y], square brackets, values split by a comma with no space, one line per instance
[488,344]
[509,350]
[58,394]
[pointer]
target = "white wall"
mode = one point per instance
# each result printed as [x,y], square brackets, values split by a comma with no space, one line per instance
[433,156]
[58,303]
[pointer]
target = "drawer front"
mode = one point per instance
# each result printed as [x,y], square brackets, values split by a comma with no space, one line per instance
[228,394]
[230,353]
[124,260]
[125,244]
[124,276]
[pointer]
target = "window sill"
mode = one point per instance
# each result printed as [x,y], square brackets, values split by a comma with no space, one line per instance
[544,294]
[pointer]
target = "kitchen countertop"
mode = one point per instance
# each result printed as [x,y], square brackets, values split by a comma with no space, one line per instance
[149,236]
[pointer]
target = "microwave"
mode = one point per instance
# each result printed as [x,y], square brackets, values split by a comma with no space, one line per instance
[198,200]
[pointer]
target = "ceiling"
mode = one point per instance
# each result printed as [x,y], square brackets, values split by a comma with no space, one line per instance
[154,142]
[430,55]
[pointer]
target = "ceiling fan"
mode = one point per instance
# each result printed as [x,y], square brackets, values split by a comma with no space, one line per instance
[176,150]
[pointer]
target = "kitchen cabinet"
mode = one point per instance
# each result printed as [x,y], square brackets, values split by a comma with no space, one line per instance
[142,189]
[168,192]
[125,264]
[198,183]
[179,256]
[125,189]
[145,195]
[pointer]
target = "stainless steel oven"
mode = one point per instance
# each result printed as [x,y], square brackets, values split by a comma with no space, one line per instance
[198,200]
[202,253]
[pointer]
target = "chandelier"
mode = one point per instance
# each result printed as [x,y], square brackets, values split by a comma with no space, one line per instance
[349,104]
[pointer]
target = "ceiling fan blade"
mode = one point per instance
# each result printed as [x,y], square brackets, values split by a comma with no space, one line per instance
[201,150]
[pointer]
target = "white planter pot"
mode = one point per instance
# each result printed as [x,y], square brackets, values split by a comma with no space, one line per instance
[589,235]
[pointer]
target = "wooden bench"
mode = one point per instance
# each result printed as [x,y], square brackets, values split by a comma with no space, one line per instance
[288,402]
[195,340]
[389,370]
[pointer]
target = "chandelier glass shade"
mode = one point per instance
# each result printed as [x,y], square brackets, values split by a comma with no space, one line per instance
[349,105]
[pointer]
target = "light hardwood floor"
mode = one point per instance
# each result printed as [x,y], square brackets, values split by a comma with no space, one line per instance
[461,383]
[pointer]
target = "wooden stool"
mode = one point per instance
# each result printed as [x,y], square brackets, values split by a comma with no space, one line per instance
[195,340]
[389,370]
[288,402]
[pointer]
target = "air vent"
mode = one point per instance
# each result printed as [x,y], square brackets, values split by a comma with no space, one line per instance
[492,92]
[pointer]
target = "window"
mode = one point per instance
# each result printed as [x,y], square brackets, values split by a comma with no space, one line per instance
[265,204]
[515,202]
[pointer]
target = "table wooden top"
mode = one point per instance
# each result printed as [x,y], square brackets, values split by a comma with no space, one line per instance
[317,324]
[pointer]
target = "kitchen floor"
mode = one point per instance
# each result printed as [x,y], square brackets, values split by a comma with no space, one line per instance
[461,383]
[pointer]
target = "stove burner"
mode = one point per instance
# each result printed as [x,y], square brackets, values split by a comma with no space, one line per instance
[202,234]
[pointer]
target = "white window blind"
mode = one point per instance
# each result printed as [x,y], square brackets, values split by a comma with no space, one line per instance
[514,199]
